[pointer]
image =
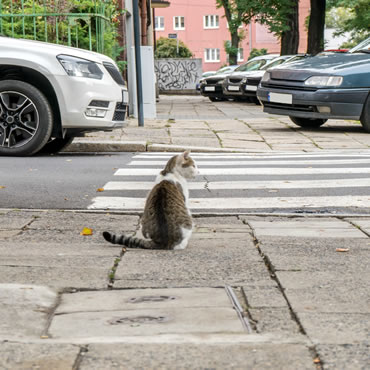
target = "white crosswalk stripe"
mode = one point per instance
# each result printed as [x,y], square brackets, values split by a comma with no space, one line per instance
[250,182]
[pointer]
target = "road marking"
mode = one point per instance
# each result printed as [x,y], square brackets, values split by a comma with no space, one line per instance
[249,171]
[218,185]
[253,162]
[240,203]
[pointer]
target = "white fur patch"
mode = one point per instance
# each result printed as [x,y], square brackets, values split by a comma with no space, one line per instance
[186,234]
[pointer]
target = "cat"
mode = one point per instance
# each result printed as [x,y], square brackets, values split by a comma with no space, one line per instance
[166,221]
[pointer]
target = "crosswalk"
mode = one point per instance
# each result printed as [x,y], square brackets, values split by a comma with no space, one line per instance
[238,183]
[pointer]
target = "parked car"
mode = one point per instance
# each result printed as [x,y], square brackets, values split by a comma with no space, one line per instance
[209,87]
[231,84]
[249,84]
[222,70]
[325,86]
[51,93]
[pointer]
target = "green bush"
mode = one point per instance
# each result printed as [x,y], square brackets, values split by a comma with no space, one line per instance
[167,48]
[63,27]
[257,53]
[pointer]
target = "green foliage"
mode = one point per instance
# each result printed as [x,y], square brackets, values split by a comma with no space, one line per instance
[230,49]
[67,22]
[257,53]
[167,48]
[351,16]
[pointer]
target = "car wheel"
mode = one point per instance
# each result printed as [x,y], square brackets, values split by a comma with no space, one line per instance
[26,119]
[365,116]
[308,122]
[56,145]
[211,98]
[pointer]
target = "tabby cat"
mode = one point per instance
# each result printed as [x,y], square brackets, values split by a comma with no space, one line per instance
[166,221]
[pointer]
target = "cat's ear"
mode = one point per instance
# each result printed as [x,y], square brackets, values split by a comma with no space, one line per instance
[186,154]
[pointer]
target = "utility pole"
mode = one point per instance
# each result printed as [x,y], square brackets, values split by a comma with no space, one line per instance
[139,80]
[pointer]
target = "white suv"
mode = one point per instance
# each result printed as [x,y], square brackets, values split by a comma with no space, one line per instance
[50,93]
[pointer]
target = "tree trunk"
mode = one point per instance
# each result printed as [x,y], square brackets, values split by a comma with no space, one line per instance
[316,27]
[233,58]
[290,39]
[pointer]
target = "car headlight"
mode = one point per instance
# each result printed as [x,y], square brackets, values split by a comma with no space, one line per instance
[324,81]
[244,80]
[220,82]
[266,76]
[79,67]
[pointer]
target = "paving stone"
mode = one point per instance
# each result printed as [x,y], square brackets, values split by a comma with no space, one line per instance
[23,310]
[346,356]
[263,296]
[45,356]
[134,299]
[197,356]
[145,322]
[14,220]
[341,328]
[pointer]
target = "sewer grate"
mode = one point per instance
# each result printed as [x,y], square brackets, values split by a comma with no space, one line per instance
[138,320]
[151,298]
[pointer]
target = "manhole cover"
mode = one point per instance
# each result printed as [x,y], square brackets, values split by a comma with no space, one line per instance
[151,298]
[138,320]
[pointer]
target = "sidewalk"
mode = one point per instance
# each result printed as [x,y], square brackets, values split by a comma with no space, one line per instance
[70,301]
[193,122]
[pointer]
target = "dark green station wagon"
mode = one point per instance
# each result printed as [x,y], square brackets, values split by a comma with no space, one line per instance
[325,86]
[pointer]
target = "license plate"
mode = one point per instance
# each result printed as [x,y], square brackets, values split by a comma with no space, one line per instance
[209,88]
[251,87]
[280,98]
[233,88]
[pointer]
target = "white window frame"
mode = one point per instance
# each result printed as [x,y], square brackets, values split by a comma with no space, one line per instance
[159,23]
[177,22]
[240,55]
[211,21]
[211,55]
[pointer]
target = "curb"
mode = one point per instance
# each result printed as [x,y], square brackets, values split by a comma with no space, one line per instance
[142,146]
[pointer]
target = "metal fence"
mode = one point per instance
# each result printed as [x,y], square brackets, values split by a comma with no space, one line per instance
[75,23]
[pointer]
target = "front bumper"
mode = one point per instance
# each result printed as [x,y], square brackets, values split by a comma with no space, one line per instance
[211,91]
[333,103]
[77,94]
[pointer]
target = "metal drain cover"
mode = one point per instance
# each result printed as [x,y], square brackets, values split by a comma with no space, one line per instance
[151,298]
[138,320]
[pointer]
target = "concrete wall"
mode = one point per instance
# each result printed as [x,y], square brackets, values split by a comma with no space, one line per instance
[178,74]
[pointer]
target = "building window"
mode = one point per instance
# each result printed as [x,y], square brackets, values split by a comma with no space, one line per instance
[159,23]
[240,54]
[212,55]
[179,23]
[210,21]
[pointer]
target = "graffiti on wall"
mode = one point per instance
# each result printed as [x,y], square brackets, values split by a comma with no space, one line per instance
[178,74]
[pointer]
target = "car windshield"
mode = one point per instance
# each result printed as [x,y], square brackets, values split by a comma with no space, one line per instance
[253,65]
[274,63]
[362,47]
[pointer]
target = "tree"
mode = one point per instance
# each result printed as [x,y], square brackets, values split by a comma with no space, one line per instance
[351,16]
[167,48]
[233,14]
[280,17]
[316,25]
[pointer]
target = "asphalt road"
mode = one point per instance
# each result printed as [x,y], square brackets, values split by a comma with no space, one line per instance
[304,183]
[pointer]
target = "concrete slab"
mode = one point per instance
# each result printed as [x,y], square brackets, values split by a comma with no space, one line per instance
[300,227]
[363,223]
[197,356]
[24,310]
[341,328]
[203,263]
[45,356]
[146,322]
[79,277]
[14,220]
[133,299]
[263,296]
[346,356]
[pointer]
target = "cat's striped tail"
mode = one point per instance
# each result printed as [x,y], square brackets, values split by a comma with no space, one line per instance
[129,241]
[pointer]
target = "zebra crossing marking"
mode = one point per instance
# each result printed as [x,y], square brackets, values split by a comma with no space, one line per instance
[149,165]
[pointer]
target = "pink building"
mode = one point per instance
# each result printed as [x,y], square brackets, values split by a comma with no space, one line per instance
[203,28]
